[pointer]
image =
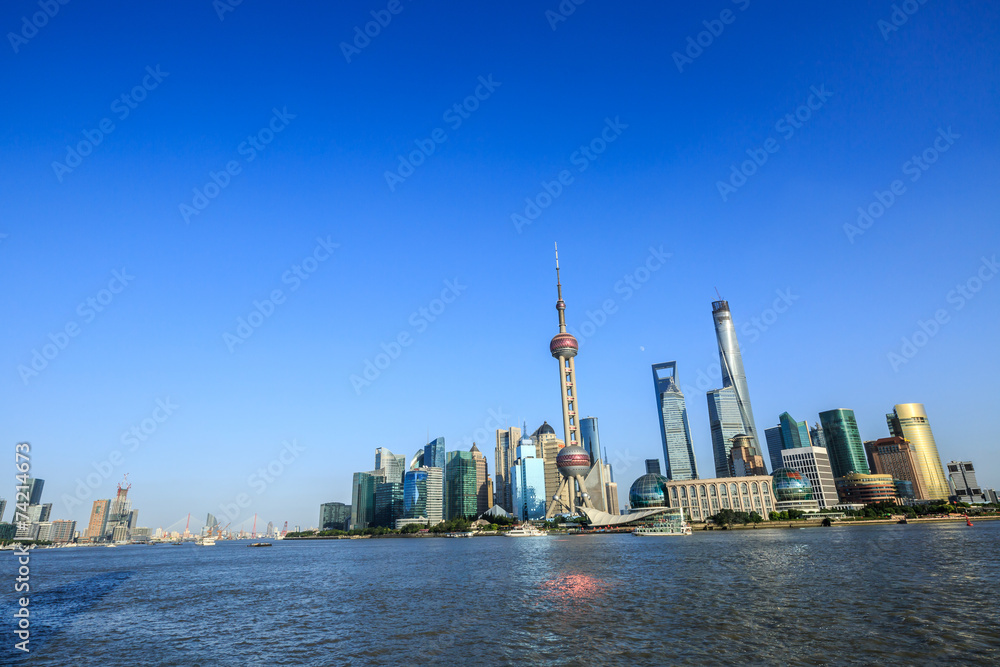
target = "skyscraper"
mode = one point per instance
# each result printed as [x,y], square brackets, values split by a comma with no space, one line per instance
[504,458]
[393,465]
[731,361]
[909,420]
[814,463]
[363,498]
[744,461]
[3,508]
[35,491]
[963,483]
[98,520]
[726,423]
[788,434]
[843,442]
[653,466]
[527,477]
[590,439]
[388,504]
[434,454]
[423,495]
[332,516]
[675,432]
[773,438]
[547,447]
[897,457]
[483,499]
[460,492]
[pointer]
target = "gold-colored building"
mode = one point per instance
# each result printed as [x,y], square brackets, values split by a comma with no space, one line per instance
[909,421]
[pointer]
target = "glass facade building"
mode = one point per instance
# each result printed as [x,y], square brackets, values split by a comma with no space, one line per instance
[788,434]
[731,361]
[527,477]
[434,456]
[909,420]
[675,431]
[388,504]
[334,516]
[423,495]
[460,491]
[363,499]
[726,423]
[843,442]
[590,438]
[650,490]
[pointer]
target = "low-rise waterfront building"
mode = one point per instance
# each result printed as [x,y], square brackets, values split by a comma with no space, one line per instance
[705,497]
[861,489]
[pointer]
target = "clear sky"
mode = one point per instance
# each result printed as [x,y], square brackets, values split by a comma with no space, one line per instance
[615,123]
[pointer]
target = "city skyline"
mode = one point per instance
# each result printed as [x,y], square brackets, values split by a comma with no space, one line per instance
[311,311]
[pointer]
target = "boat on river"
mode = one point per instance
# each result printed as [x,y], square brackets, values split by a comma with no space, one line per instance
[668,524]
[526,530]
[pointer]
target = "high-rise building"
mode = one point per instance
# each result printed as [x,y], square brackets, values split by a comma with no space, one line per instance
[731,361]
[547,447]
[62,531]
[675,431]
[896,457]
[434,454]
[504,458]
[98,520]
[564,348]
[788,434]
[423,495]
[909,420]
[774,445]
[963,484]
[653,466]
[744,461]
[843,442]
[814,464]
[726,423]
[363,498]
[590,439]
[388,504]
[484,499]
[393,465]
[334,516]
[527,476]
[35,490]
[460,492]
[3,508]
[816,436]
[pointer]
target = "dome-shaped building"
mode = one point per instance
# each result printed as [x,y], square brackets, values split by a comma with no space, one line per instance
[792,490]
[650,490]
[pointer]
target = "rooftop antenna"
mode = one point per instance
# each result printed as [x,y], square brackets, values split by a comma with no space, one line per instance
[719,295]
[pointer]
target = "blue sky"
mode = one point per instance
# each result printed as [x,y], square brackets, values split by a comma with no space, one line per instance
[355,255]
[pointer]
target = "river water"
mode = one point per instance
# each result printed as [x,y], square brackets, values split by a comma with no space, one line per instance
[915,594]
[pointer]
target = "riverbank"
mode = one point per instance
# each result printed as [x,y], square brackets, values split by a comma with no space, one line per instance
[814,523]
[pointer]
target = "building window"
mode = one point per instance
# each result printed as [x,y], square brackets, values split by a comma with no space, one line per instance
[754,487]
[702,491]
[732,488]
[711,491]
[743,487]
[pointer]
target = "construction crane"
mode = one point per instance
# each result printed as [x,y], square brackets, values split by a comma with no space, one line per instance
[187,525]
[219,530]
[253,532]
[284,531]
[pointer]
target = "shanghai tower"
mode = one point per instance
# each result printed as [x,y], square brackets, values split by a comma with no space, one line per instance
[732,366]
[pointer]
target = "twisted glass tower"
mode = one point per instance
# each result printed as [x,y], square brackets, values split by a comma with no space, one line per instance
[732,366]
[675,433]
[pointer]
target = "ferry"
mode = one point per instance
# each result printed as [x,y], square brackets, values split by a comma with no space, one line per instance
[207,542]
[667,525]
[526,530]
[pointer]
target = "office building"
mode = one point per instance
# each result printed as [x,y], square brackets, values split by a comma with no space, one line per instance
[460,492]
[897,457]
[772,436]
[363,498]
[62,531]
[675,431]
[963,484]
[843,442]
[3,508]
[731,361]
[484,491]
[34,491]
[98,520]
[744,461]
[547,447]
[434,454]
[423,495]
[726,423]
[590,438]
[703,498]
[817,436]
[388,504]
[504,456]
[394,465]
[909,421]
[527,476]
[653,467]
[862,489]
[788,434]
[814,464]
[334,516]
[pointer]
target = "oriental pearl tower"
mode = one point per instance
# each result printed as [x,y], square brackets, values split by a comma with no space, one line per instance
[573,461]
